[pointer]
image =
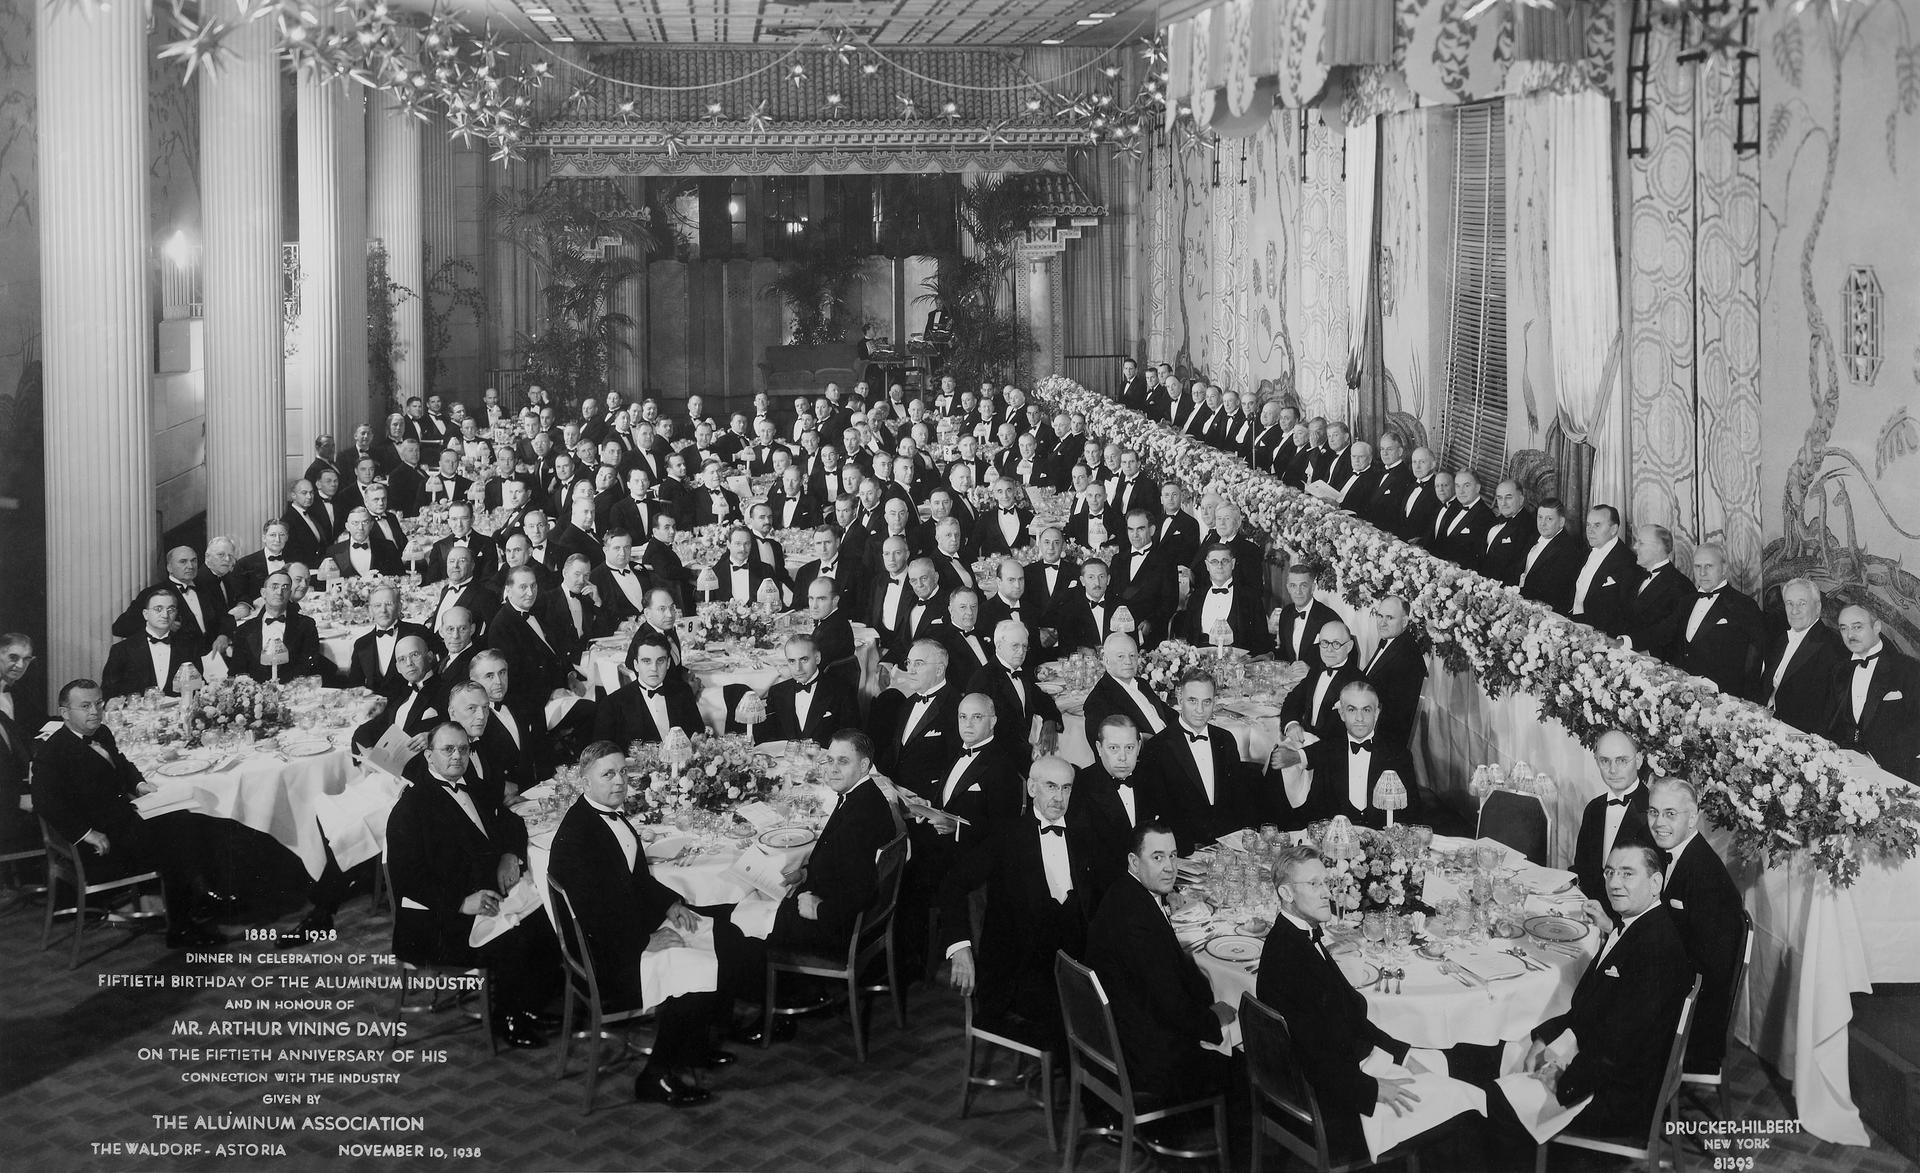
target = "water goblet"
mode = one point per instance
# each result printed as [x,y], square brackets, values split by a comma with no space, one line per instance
[1373,928]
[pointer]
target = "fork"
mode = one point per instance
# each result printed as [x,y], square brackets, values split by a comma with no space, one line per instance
[1525,960]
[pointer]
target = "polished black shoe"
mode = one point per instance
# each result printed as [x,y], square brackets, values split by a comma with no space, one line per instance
[310,927]
[195,937]
[653,1087]
[219,906]
[715,1057]
[752,1034]
[518,1030]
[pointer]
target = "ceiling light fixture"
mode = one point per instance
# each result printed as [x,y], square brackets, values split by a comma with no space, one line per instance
[1102,15]
[560,37]
[536,11]
[1050,40]
[549,18]
[1088,22]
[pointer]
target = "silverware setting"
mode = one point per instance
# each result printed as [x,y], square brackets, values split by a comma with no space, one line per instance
[1529,962]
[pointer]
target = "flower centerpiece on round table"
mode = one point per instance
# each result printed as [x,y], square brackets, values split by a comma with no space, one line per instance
[733,621]
[719,775]
[1171,659]
[234,706]
[1377,871]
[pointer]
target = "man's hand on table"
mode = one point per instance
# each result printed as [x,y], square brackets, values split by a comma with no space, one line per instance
[808,905]
[664,937]
[509,871]
[1397,1094]
[1049,738]
[962,977]
[481,903]
[683,918]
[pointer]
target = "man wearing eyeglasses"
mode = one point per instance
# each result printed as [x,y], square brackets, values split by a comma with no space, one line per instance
[1313,705]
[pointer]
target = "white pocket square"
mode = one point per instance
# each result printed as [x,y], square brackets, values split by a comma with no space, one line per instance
[1719,621]
[1607,583]
[1610,971]
[1680,904]
[973,788]
[1894,696]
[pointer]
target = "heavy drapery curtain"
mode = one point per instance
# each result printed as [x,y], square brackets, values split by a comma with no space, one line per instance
[1363,191]
[1585,310]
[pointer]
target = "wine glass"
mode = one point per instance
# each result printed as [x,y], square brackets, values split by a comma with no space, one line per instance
[1373,927]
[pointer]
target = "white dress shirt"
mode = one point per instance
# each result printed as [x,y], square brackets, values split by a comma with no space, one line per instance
[656,702]
[891,606]
[623,833]
[362,558]
[190,598]
[1359,768]
[1140,701]
[1699,613]
[1794,640]
[457,788]
[1533,554]
[1202,752]
[1615,813]
[505,714]
[1218,608]
[740,578]
[1862,678]
[803,698]
[1009,524]
[1614,938]
[960,766]
[1587,574]
[383,642]
[629,584]
[162,656]
[1053,858]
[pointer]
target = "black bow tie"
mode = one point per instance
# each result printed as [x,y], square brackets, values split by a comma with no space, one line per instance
[1707,594]
[1618,801]
[1313,934]
[921,698]
[1054,829]
[808,686]
[612,816]
[628,570]
[971,750]
[650,693]
[1358,746]
[1126,782]
[384,632]
[1866,661]
[578,594]
[159,639]
[272,619]
[453,787]
[1221,591]
[1195,737]
[362,545]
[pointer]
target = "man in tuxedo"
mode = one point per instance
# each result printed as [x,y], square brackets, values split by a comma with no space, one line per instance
[463,590]
[1615,817]
[1661,603]
[793,507]
[1007,527]
[250,572]
[1314,703]
[308,533]
[657,699]
[713,502]
[371,663]
[1298,623]
[625,915]
[1109,798]
[1311,459]
[1420,508]
[407,481]
[890,597]
[362,553]
[1134,490]
[571,615]
[382,521]
[1877,697]
[1223,603]
[1386,506]
[923,606]
[1460,533]
[1018,700]
[1163,1007]
[1133,387]
[540,665]
[83,789]
[1508,539]
[656,556]
[1707,910]
[515,744]
[828,563]
[456,631]
[1802,662]
[916,722]
[202,613]
[453,855]
[277,627]
[444,484]
[1199,785]
[622,587]
[20,716]
[1052,576]
[1723,633]
[324,458]
[1009,601]
[1038,872]
[1352,486]
[839,880]
[218,578]
[1326,1017]
[414,706]
[1553,562]
[1144,579]
[1397,671]
[1339,775]
[1609,576]
[1623,1012]
[544,554]
[1177,531]
[807,704]
[154,656]
[1120,691]
[948,557]
[1273,447]
[958,634]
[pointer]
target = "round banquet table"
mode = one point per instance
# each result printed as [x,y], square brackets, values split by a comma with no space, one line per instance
[758,670]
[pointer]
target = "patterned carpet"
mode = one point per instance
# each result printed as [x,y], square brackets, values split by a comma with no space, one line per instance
[72,1076]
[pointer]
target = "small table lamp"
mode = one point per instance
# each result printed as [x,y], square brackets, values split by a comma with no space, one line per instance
[1390,794]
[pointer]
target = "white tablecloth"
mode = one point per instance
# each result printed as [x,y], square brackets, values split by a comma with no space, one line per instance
[602,667]
[276,797]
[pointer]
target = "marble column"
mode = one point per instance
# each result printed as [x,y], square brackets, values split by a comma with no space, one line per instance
[240,205]
[97,342]
[1040,314]
[625,363]
[394,218]
[331,132]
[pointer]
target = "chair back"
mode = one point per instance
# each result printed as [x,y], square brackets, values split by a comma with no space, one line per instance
[1092,1039]
[1517,820]
[1271,1066]
[575,964]
[64,861]
[1670,1076]
[875,922]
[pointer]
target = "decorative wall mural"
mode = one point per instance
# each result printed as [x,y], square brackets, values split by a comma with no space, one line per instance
[1407,344]
[1274,184]
[1320,312]
[1844,89]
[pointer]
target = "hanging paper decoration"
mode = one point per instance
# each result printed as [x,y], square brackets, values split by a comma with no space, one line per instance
[907,107]
[758,119]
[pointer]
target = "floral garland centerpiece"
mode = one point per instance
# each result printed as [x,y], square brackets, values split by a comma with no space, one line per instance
[734,621]
[1370,870]
[706,772]
[1169,660]
[236,705]
[703,545]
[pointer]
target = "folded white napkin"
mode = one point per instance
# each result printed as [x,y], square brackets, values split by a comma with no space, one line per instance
[1540,1112]
[754,915]
[1441,1099]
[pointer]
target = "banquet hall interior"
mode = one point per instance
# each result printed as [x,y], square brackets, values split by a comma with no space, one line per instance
[1537,379]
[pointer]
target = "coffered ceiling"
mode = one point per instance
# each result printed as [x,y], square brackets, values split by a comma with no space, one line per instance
[1020,23]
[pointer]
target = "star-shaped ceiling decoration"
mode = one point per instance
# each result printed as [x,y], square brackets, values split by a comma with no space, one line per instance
[758,119]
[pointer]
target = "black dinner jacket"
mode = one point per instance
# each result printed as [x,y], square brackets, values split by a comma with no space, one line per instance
[1308,653]
[1148,587]
[428,710]
[1273,450]
[1249,563]
[615,607]
[1657,612]
[76,790]
[556,619]
[806,510]
[1418,511]
[834,706]
[1106,698]
[308,534]
[1168,772]
[486,557]
[298,633]
[1096,803]
[519,764]
[535,666]
[701,505]
[1805,697]
[1249,625]
[1606,607]
[988,793]
[846,577]
[994,609]
[1078,626]
[1133,392]
[132,622]
[1328,760]
[479,601]
[989,541]
[406,488]
[1623,1015]
[385,556]
[618,905]
[1023,926]
[843,870]
[250,572]
[624,717]
[1463,544]
[1162,1004]
[1012,719]
[1385,506]
[436,858]
[1078,524]
[1889,727]
[1142,492]
[363,664]
[1706,908]
[668,572]
[1179,536]
[1398,672]
[954,571]
[1066,585]
[1588,863]
[1326,723]
[129,667]
[1554,572]
[910,756]
[1327,1020]
[1727,645]
[967,651]
[1504,551]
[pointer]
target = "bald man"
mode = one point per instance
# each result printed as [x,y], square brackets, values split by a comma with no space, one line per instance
[1722,636]
[1008,681]
[203,613]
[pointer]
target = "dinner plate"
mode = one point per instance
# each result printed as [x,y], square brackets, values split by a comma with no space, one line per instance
[1556,928]
[1359,974]
[181,767]
[1234,947]
[1257,709]
[1491,966]
[1053,687]
[1193,913]
[334,632]
[305,749]
[782,838]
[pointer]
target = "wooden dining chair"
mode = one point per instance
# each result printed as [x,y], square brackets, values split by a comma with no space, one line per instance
[871,939]
[66,864]
[1097,1065]
[974,1076]
[1665,1107]
[429,978]
[581,991]
[1518,820]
